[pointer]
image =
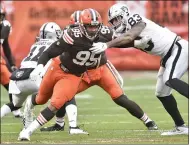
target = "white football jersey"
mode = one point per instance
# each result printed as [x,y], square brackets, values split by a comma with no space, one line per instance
[35,52]
[162,38]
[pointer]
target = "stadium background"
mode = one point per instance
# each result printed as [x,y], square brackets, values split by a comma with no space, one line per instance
[26,18]
[106,122]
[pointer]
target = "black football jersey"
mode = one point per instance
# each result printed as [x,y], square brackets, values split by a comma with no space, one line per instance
[5,28]
[77,57]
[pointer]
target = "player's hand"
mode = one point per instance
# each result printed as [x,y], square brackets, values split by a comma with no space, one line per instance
[143,42]
[13,68]
[37,73]
[98,47]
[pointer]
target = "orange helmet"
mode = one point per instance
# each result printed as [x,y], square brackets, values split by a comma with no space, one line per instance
[2,13]
[75,18]
[90,23]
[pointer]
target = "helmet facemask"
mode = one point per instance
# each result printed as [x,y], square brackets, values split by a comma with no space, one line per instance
[50,30]
[91,30]
[118,15]
[117,23]
[53,35]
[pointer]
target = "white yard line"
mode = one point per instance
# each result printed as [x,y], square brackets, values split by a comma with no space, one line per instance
[144,87]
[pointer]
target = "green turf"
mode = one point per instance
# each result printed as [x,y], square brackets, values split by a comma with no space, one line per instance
[106,122]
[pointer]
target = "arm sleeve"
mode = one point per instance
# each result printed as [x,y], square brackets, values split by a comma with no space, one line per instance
[56,49]
[7,52]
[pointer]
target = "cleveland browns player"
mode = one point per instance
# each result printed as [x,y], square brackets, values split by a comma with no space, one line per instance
[66,76]
[5,29]
[69,107]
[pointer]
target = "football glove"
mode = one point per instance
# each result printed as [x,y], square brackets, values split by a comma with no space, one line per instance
[143,42]
[98,47]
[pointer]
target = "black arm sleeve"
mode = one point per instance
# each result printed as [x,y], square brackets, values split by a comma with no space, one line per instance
[7,52]
[56,49]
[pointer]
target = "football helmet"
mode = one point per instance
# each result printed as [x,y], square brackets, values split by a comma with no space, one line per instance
[75,18]
[90,23]
[50,30]
[2,14]
[118,15]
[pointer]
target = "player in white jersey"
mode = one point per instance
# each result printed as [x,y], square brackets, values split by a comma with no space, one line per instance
[172,49]
[21,86]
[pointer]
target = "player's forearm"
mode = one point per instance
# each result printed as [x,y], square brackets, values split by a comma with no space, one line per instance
[44,58]
[52,52]
[119,42]
[127,37]
[8,53]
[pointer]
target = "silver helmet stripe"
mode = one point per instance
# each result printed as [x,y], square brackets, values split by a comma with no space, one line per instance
[43,31]
[78,15]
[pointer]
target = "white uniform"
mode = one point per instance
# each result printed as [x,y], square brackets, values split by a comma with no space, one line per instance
[24,87]
[172,49]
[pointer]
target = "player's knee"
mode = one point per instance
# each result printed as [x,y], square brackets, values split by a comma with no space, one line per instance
[161,94]
[115,93]
[119,100]
[72,101]
[38,100]
[56,105]
[53,108]
[171,81]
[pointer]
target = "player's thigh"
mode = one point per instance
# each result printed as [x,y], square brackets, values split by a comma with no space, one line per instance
[161,89]
[27,86]
[109,82]
[177,64]
[5,74]
[46,87]
[64,90]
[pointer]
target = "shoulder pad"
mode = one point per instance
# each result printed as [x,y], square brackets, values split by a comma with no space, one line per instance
[106,32]
[71,34]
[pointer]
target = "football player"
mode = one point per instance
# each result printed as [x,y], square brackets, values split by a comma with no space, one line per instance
[66,76]
[20,85]
[69,107]
[5,28]
[172,49]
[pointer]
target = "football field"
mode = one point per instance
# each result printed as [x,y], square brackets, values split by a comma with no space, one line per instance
[106,122]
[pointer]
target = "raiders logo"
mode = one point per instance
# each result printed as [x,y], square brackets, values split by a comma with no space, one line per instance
[19,74]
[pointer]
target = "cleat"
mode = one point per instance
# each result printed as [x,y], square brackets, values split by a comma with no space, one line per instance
[28,115]
[55,127]
[179,130]
[151,125]
[24,136]
[77,130]
[17,113]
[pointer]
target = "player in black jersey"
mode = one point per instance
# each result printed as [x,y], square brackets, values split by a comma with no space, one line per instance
[69,74]
[69,107]
[5,30]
